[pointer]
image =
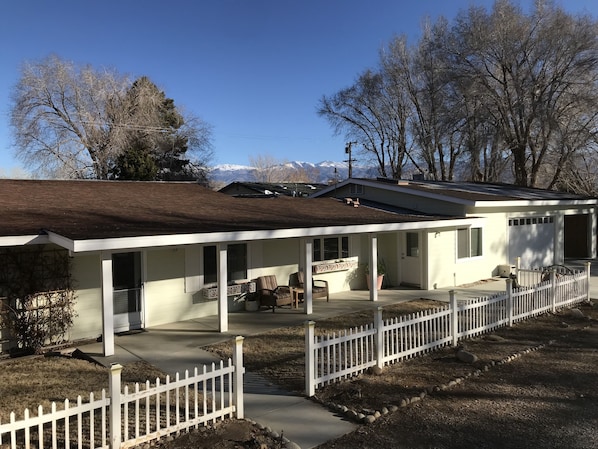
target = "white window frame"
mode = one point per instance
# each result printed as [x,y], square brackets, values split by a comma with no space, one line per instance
[469,255]
[203,268]
[340,255]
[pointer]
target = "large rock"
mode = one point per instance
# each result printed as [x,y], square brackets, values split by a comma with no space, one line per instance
[466,356]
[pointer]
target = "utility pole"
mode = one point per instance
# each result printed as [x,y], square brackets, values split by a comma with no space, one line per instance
[350,160]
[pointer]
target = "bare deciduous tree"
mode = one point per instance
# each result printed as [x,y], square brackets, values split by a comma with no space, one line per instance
[498,96]
[371,112]
[536,76]
[74,122]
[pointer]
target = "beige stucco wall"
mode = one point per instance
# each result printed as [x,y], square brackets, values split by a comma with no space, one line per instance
[283,257]
[87,281]
[274,257]
[165,298]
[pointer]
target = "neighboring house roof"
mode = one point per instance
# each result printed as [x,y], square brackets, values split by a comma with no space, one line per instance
[246,189]
[468,193]
[84,210]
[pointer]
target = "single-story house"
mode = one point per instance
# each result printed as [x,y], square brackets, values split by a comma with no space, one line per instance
[540,227]
[142,254]
[149,253]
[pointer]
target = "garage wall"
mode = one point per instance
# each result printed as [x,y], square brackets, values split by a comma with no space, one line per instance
[533,240]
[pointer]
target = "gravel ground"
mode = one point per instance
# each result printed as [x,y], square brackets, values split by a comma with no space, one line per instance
[534,386]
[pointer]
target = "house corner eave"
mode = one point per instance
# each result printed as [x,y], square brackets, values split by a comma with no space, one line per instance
[61,241]
[22,240]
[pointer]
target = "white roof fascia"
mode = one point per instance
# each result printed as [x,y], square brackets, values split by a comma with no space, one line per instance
[114,244]
[21,240]
[535,203]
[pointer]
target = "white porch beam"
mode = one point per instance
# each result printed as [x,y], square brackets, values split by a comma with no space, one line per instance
[222,290]
[308,277]
[107,304]
[373,267]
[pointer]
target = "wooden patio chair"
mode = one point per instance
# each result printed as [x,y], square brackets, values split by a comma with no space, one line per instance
[270,294]
[319,287]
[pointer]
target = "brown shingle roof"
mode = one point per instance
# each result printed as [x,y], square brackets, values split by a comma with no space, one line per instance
[105,209]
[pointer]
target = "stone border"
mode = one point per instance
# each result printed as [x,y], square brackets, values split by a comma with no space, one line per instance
[366,416]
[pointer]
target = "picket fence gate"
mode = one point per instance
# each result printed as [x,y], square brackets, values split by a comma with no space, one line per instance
[339,356]
[122,418]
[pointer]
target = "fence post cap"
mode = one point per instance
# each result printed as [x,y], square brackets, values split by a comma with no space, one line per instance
[239,338]
[115,366]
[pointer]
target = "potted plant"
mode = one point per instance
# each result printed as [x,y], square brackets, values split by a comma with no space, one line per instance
[252,303]
[381,271]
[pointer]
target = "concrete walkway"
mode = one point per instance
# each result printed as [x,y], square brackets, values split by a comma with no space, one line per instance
[177,347]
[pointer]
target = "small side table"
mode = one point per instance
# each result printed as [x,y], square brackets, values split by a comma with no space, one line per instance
[295,292]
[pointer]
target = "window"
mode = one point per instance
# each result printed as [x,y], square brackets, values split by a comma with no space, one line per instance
[412,244]
[331,248]
[476,242]
[530,221]
[237,262]
[126,270]
[469,242]
[356,189]
[210,270]
[236,265]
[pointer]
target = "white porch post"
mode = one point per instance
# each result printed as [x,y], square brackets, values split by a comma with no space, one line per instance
[222,284]
[107,304]
[592,232]
[373,267]
[307,290]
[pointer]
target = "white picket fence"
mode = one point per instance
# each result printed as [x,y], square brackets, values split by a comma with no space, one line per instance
[122,418]
[338,356]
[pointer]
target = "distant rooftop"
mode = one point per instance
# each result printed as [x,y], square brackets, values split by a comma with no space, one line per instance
[258,189]
[471,191]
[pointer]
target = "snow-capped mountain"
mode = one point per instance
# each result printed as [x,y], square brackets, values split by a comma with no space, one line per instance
[321,172]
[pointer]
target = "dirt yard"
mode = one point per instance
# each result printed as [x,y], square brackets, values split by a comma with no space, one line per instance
[535,385]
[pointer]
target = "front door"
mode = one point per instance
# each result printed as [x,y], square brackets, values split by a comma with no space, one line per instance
[411,259]
[128,292]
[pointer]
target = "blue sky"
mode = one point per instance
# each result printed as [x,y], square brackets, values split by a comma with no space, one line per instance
[254,70]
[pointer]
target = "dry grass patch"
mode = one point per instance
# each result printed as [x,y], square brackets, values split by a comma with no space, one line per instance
[32,381]
[280,353]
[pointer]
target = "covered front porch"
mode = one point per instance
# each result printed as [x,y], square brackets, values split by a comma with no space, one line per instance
[178,345]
